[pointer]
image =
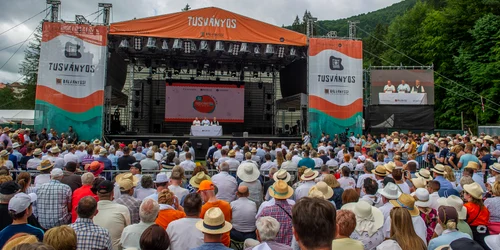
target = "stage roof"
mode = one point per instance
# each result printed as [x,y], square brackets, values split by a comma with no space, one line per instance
[209,24]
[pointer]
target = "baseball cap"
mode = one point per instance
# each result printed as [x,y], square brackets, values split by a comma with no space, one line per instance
[219,146]
[161,178]
[105,187]
[206,185]
[9,187]
[136,165]
[21,202]
[56,172]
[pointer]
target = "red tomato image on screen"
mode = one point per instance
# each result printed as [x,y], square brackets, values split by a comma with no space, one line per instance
[204,104]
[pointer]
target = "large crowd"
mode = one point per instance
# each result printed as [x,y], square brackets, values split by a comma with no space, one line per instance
[396,191]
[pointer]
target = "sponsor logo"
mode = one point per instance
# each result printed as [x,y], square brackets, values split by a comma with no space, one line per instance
[72,50]
[204,104]
[336,79]
[199,21]
[72,67]
[70,82]
[336,92]
[336,63]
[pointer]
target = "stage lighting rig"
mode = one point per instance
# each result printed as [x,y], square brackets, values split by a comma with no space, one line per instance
[164,45]
[233,73]
[124,45]
[293,53]
[269,50]
[281,52]
[204,46]
[138,43]
[256,50]
[255,74]
[177,44]
[151,44]
[219,46]
[244,48]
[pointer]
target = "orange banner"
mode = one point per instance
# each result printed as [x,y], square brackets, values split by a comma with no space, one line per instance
[209,24]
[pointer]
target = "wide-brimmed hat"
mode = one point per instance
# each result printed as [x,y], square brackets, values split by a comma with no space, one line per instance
[55,150]
[396,140]
[6,129]
[4,153]
[231,153]
[174,142]
[37,152]
[391,191]
[472,165]
[214,222]
[15,145]
[280,190]
[198,178]
[103,152]
[419,182]
[425,174]
[368,218]
[439,168]
[322,187]
[254,150]
[422,198]
[379,170]
[408,202]
[495,167]
[125,184]
[457,203]
[95,168]
[161,178]
[390,166]
[309,174]
[283,175]
[474,189]
[44,165]
[462,244]
[248,172]
[127,176]
[488,138]
[97,142]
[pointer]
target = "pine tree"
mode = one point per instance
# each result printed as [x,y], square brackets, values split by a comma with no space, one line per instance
[29,69]
[186,8]
[296,24]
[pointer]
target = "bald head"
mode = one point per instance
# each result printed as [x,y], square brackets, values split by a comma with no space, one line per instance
[242,191]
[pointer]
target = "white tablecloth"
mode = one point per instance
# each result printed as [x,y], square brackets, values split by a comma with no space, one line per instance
[206,130]
[403,98]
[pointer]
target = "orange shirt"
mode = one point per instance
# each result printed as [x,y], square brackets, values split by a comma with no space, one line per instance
[226,210]
[473,211]
[168,215]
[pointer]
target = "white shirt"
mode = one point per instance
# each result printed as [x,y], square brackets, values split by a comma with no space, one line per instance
[33,163]
[233,164]
[289,166]
[82,154]
[332,163]
[26,138]
[386,210]
[70,157]
[433,197]
[347,164]
[347,182]
[303,189]
[369,242]
[188,165]
[184,235]
[296,159]
[114,217]
[243,213]
[132,234]
[404,88]
[268,165]
[178,191]
[269,203]
[226,185]
[205,123]
[239,156]
[404,187]
[42,179]
[418,225]
[361,180]
[139,156]
[149,164]
[318,162]
[389,89]
[142,193]
[221,160]
[196,122]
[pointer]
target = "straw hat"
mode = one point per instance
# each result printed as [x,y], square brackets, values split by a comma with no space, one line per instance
[480,141]
[254,150]
[309,175]
[389,167]
[55,150]
[439,168]
[391,191]
[406,201]
[396,140]
[283,175]
[488,138]
[474,189]
[198,178]
[368,218]
[15,145]
[125,184]
[495,167]
[419,182]
[422,198]
[280,190]
[472,165]
[97,142]
[4,153]
[231,153]
[6,129]
[456,202]
[127,176]
[424,174]
[21,238]
[37,152]
[44,165]
[379,170]
[103,152]
[248,172]
[174,142]
[214,222]
[326,191]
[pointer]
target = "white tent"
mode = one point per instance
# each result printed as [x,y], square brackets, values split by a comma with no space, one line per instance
[26,117]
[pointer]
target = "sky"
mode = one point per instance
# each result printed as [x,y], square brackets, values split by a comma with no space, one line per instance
[277,12]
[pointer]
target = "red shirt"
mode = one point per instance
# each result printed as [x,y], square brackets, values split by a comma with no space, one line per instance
[477,216]
[77,196]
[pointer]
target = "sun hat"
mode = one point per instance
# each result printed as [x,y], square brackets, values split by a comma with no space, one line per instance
[495,167]
[368,218]
[488,138]
[326,191]
[493,241]
[206,185]
[37,152]
[379,170]
[389,167]
[283,175]
[457,203]
[391,191]
[254,150]
[248,172]
[474,190]
[422,198]
[44,165]
[174,142]
[9,187]
[197,179]
[419,182]
[280,190]
[128,176]
[214,222]
[439,168]
[162,178]
[15,145]
[95,168]
[406,201]
[55,150]
[231,153]
[425,174]
[3,153]
[125,184]
[97,142]
[21,202]
[472,165]
[6,129]
[103,152]
[432,141]
[396,140]
[362,158]
[309,174]
[56,172]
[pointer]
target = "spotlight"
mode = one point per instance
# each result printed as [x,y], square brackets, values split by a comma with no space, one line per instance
[235,49]
[219,46]
[169,74]
[281,52]
[293,52]
[204,46]
[138,43]
[244,48]
[187,47]
[177,44]
[151,44]
[269,50]
[164,45]
[256,50]
[198,72]
[255,74]
[233,73]
[176,71]
[124,45]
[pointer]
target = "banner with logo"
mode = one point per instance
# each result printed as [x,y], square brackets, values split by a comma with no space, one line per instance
[185,101]
[335,87]
[71,79]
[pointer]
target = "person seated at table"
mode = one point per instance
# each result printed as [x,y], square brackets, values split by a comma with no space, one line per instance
[389,88]
[205,122]
[417,88]
[403,87]
[214,122]
[196,122]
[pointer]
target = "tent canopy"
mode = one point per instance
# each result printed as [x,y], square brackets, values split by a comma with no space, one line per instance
[208,24]
[17,115]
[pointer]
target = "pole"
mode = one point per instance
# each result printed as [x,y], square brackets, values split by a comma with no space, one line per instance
[462,119]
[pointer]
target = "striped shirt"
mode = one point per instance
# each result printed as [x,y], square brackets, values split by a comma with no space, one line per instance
[91,236]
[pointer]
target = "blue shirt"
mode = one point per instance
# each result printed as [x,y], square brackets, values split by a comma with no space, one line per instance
[446,239]
[113,159]
[479,178]
[464,159]
[212,246]
[12,230]
[308,162]
[445,184]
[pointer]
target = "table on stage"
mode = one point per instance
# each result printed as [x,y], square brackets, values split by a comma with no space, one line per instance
[206,130]
[403,98]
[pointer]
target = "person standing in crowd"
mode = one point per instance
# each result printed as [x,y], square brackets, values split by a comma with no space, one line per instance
[346,181]
[370,188]
[476,177]
[214,226]
[468,156]
[54,201]
[207,192]
[308,178]
[346,224]
[369,222]
[126,160]
[368,169]
[267,229]
[149,163]
[72,135]
[428,214]
[249,174]
[89,235]
[493,205]
[225,183]
[438,172]
[127,184]
[401,235]
[306,161]
[243,214]
[182,232]
[478,215]
[132,233]
[32,164]
[61,238]
[175,185]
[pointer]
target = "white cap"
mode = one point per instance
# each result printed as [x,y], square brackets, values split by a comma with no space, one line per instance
[21,202]
[56,172]
[161,178]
